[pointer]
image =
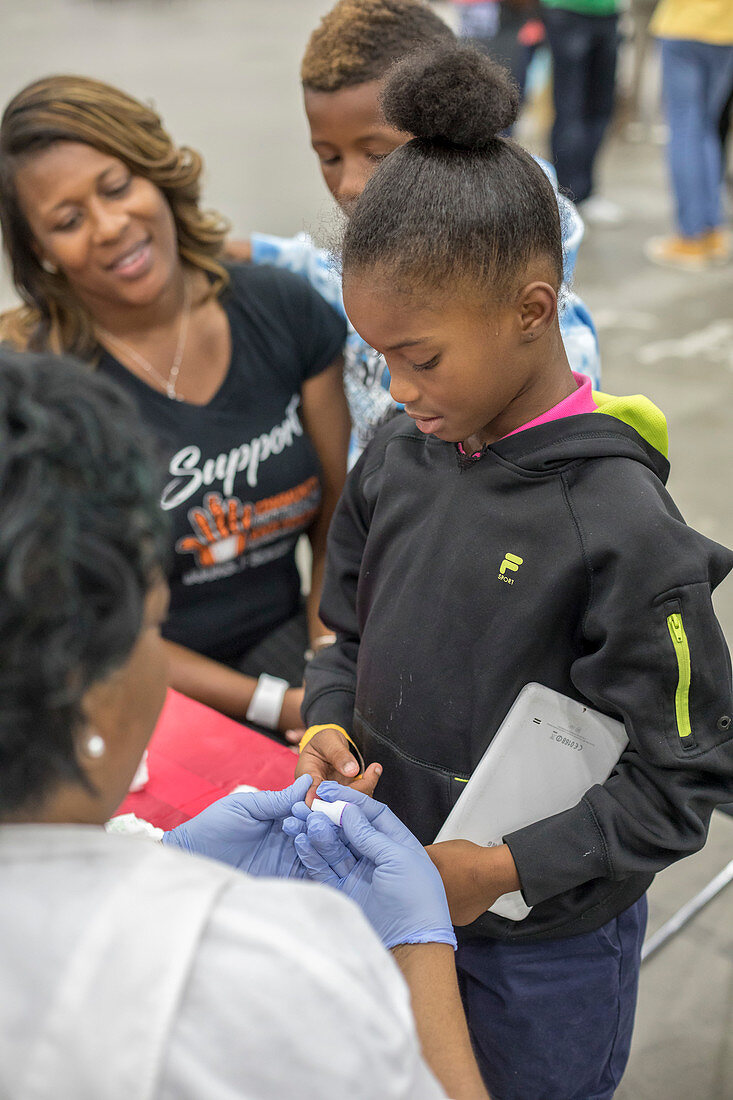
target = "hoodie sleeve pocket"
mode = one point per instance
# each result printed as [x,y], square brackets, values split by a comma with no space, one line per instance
[696,672]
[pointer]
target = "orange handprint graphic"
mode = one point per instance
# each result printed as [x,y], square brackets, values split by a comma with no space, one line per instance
[224,528]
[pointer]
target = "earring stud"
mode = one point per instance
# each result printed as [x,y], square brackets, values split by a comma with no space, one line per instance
[95,746]
[49,267]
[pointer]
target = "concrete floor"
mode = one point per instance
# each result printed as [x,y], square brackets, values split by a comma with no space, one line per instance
[224,75]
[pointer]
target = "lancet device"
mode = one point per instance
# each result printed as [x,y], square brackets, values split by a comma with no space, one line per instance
[332,810]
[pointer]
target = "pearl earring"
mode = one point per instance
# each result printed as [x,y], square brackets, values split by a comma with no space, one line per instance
[49,267]
[95,746]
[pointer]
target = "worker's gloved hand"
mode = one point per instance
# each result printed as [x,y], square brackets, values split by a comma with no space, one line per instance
[379,864]
[380,815]
[245,831]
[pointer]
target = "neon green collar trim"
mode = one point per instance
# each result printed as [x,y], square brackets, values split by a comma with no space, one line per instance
[639,413]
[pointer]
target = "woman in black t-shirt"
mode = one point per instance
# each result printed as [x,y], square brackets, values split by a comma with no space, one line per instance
[237,372]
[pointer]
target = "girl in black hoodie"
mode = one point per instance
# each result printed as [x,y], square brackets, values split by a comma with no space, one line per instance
[512,527]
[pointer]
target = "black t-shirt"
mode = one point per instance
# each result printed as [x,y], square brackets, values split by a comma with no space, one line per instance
[243,478]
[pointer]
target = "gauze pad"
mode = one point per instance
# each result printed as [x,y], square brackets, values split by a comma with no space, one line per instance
[332,810]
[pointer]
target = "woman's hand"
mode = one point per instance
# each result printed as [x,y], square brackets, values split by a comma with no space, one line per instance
[474,876]
[227,690]
[327,756]
[244,830]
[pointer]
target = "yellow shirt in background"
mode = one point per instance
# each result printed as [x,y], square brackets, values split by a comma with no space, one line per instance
[700,20]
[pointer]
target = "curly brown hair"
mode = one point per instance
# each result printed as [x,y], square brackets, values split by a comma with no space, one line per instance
[359,40]
[75,108]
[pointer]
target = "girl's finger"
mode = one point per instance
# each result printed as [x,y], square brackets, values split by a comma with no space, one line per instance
[368,781]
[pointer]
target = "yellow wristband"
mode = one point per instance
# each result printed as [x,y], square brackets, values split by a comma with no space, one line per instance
[311,732]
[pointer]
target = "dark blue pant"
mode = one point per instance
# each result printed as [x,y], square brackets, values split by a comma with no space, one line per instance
[584,49]
[553,1020]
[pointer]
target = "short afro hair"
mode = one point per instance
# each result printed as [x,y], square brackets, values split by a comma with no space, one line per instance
[359,40]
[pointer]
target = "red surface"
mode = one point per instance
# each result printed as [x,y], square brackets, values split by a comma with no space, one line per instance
[196,755]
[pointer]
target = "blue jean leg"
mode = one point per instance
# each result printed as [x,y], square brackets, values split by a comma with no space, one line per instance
[696,81]
[584,50]
[553,1020]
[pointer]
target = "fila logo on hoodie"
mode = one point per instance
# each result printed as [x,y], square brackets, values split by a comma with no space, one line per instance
[511,562]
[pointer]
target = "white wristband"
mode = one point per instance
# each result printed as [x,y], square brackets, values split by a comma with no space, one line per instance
[267,701]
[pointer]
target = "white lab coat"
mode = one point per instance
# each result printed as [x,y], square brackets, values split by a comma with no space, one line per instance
[130,971]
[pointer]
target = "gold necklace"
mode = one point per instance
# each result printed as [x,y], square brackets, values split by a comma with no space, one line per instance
[168,384]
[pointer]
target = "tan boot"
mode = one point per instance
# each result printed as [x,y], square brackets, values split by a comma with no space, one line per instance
[717,242]
[683,253]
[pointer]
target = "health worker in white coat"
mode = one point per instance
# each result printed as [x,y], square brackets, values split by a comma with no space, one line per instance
[130,968]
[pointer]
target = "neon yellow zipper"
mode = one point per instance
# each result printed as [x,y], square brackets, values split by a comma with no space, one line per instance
[682,694]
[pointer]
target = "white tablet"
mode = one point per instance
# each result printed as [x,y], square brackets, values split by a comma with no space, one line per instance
[547,753]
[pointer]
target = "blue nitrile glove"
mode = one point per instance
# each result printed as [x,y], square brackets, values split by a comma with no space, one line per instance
[380,815]
[245,831]
[377,863]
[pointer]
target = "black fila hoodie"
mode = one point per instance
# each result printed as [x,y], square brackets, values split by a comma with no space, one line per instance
[558,557]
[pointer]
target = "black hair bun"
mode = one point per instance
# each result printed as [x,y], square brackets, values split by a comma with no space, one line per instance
[451,95]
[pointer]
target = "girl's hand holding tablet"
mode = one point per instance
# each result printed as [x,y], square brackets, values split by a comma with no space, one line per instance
[474,876]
